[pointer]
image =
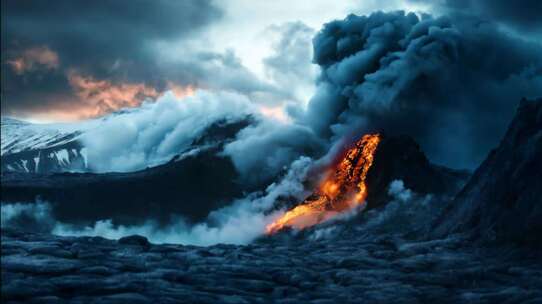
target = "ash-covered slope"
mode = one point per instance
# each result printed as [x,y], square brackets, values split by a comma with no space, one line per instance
[401,158]
[191,185]
[503,199]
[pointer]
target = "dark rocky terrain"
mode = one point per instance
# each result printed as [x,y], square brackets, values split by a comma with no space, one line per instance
[388,269]
[48,269]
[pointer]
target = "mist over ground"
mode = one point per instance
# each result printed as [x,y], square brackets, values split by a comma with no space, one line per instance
[240,223]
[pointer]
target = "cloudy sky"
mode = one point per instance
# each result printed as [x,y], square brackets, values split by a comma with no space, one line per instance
[66,60]
[456,74]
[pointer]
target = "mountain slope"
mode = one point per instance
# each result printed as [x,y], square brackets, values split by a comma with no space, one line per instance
[45,148]
[503,199]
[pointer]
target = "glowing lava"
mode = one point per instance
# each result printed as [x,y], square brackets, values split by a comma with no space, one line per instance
[341,191]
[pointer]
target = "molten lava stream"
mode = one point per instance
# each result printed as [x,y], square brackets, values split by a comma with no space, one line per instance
[344,190]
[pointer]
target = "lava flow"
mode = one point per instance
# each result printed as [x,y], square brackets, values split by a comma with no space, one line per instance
[343,190]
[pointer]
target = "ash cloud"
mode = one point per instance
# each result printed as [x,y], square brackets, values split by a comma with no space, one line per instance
[450,82]
[522,16]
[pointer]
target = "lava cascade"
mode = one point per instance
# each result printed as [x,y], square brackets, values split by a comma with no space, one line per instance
[343,189]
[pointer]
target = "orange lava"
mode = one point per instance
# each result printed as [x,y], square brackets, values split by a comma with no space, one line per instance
[341,191]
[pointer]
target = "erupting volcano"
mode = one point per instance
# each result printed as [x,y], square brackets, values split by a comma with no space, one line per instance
[343,189]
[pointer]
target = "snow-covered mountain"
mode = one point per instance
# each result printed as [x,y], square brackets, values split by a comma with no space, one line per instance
[41,148]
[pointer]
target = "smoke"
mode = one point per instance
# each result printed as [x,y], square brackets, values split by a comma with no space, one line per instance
[262,151]
[451,82]
[27,217]
[398,191]
[521,16]
[406,212]
[152,134]
[155,132]
[239,223]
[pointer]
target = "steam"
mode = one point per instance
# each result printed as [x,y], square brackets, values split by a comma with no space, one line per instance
[240,223]
[155,132]
[34,217]
[260,152]
[405,212]
[398,191]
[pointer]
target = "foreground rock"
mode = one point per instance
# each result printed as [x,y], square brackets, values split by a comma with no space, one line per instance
[48,269]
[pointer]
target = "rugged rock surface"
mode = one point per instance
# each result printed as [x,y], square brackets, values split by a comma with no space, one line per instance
[347,269]
[503,199]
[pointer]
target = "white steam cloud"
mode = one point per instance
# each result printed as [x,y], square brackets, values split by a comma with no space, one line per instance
[155,132]
[240,223]
[39,211]
[405,212]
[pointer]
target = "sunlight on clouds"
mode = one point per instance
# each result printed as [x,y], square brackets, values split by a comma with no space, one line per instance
[276,113]
[33,57]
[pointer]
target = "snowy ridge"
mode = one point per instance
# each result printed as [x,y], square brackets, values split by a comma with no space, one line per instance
[19,136]
[42,148]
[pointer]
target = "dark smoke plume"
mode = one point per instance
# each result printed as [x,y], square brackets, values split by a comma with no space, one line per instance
[451,82]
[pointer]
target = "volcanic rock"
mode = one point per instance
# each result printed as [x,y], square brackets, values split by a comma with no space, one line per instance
[401,158]
[346,269]
[503,199]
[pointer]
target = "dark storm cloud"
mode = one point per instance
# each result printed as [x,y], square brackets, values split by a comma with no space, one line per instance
[521,15]
[104,40]
[452,83]
[96,34]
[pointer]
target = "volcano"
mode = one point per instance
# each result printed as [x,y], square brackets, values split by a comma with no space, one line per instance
[361,177]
